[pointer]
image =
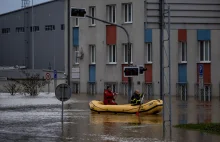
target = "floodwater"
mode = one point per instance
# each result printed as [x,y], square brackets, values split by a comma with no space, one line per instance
[39,119]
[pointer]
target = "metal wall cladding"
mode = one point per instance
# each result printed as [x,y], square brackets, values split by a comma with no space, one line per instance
[206,74]
[111,34]
[148,73]
[124,79]
[92,73]
[182,73]
[187,14]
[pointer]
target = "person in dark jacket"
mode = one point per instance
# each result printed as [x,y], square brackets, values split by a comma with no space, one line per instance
[109,97]
[136,98]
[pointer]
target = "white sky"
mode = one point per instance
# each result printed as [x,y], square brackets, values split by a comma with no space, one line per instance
[11,5]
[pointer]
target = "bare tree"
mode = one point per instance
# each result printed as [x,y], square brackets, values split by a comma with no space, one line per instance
[31,83]
[12,88]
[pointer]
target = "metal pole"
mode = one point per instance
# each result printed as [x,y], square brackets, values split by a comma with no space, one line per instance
[129,78]
[32,34]
[68,52]
[162,58]
[170,114]
[129,52]
[62,105]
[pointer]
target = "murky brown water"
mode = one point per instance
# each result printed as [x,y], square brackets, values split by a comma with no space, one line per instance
[42,122]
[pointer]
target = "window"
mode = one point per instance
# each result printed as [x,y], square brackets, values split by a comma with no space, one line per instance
[76,22]
[62,27]
[92,54]
[19,29]
[113,85]
[76,55]
[92,13]
[36,28]
[126,53]
[111,13]
[204,51]
[127,12]
[5,30]
[112,54]
[149,52]
[48,27]
[183,52]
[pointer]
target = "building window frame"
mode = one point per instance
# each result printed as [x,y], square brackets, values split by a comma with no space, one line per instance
[76,22]
[204,47]
[182,52]
[92,54]
[76,59]
[92,13]
[125,48]
[127,12]
[112,54]
[111,13]
[149,52]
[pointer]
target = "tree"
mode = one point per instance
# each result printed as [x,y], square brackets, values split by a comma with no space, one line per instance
[12,88]
[31,83]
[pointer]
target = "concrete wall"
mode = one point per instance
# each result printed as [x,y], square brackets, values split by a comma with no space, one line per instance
[16,48]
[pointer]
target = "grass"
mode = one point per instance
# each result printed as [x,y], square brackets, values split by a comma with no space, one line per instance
[213,128]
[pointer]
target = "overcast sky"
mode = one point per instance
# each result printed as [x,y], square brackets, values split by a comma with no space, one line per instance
[11,5]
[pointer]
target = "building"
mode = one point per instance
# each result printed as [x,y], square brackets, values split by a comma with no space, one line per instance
[41,33]
[194,40]
[47,29]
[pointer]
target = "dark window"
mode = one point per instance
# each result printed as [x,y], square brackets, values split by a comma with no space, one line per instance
[5,30]
[49,27]
[62,27]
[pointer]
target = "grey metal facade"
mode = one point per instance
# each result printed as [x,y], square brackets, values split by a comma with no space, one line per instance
[48,37]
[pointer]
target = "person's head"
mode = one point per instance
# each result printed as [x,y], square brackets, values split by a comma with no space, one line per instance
[109,88]
[137,92]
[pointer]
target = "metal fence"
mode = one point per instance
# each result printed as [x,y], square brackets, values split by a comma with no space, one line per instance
[182,91]
[113,85]
[76,87]
[91,88]
[124,88]
[204,94]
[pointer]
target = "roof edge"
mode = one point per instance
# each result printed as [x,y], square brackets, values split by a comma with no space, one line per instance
[44,3]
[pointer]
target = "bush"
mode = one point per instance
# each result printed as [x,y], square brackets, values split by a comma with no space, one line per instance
[31,83]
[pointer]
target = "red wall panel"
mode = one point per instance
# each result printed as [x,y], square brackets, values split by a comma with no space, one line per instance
[182,35]
[148,73]
[207,73]
[111,34]
[124,79]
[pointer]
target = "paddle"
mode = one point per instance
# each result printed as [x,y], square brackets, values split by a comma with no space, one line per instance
[137,113]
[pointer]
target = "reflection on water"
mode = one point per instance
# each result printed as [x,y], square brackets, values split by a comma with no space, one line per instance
[41,121]
[103,118]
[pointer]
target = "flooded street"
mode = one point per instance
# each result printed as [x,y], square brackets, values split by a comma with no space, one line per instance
[39,119]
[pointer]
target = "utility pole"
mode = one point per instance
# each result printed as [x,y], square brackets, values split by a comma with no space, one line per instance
[32,34]
[68,45]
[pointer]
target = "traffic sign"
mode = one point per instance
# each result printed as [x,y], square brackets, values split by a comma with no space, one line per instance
[201,69]
[48,76]
[63,92]
[131,71]
[55,74]
[77,12]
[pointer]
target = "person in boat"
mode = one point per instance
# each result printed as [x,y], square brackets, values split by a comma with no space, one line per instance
[109,96]
[136,98]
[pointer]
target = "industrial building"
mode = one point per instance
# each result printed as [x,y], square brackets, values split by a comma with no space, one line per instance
[100,52]
[33,38]
[194,41]
[40,33]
